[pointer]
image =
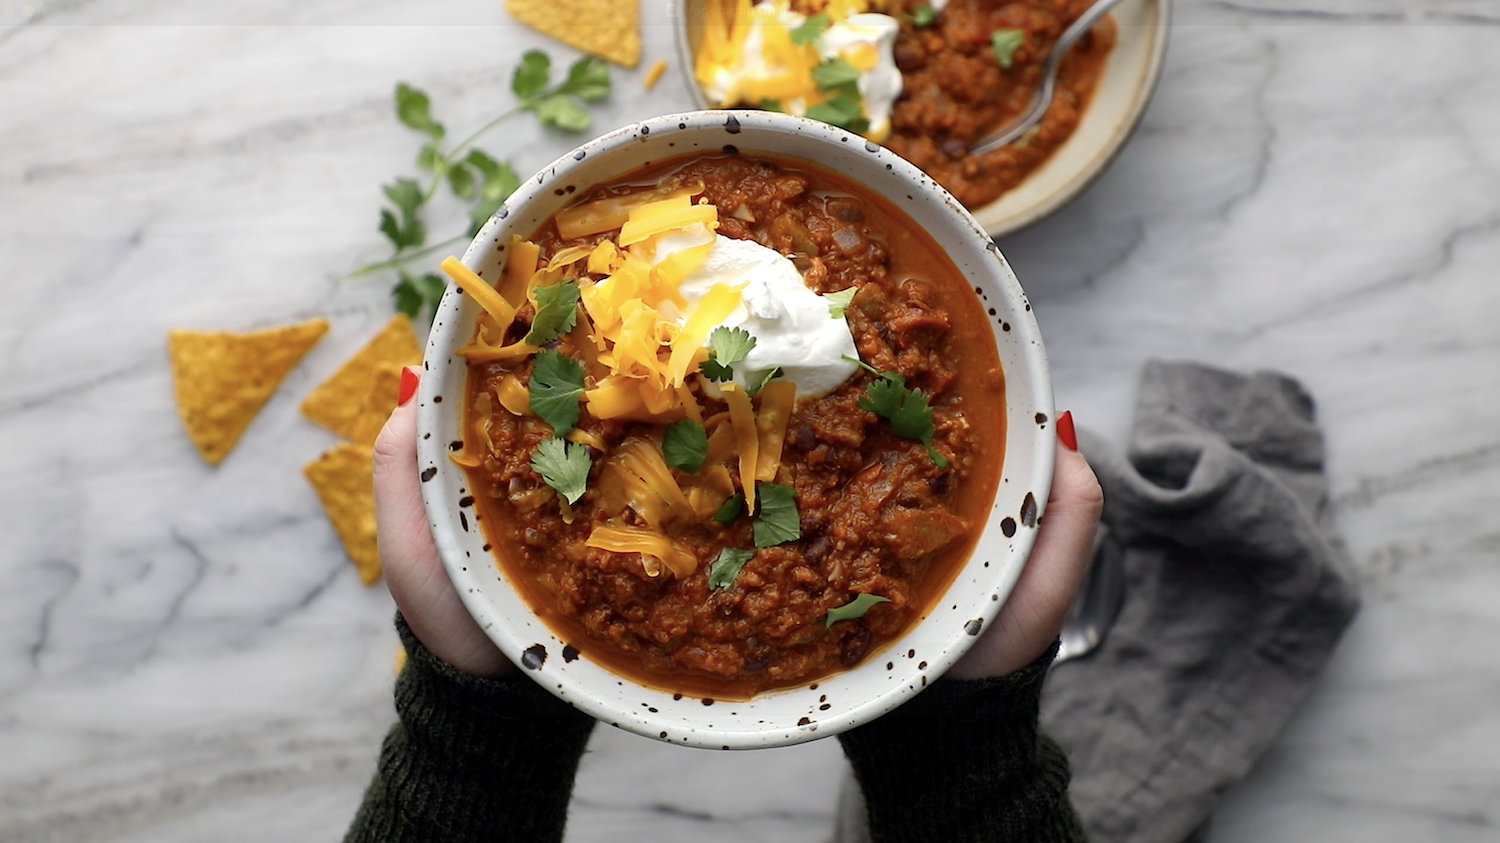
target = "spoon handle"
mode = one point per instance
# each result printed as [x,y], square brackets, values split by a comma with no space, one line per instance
[1043,95]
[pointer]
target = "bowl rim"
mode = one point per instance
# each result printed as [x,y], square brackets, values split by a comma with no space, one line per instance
[1000,226]
[443,500]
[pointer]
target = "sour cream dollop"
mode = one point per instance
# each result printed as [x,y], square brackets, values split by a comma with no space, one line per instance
[792,325]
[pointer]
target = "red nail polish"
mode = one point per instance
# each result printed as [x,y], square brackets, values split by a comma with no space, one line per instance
[409,382]
[1065,432]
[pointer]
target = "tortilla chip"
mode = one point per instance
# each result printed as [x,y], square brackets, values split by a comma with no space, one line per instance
[611,31]
[222,379]
[380,400]
[359,397]
[344,479]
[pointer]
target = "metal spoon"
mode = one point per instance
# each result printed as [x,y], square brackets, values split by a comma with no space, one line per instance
[1098,602]
[1043,96]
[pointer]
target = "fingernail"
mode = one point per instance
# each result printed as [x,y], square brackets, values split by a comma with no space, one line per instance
[409,382]
[1065,432]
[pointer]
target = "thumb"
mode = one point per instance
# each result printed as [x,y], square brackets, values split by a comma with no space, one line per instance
[413,571]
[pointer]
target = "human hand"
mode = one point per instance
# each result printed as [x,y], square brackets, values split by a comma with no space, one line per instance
[1033,614]
[408,557]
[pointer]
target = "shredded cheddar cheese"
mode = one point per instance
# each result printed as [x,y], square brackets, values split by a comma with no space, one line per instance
[746,438]
[653,545]
[493,303]
[654,74]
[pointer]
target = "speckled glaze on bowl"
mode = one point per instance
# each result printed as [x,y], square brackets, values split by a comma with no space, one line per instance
[885,678]
[1125,88]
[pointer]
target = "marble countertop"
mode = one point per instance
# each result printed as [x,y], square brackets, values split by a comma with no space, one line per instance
[185,653]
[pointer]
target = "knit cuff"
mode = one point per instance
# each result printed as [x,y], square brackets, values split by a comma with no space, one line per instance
[472,758]
[965,761]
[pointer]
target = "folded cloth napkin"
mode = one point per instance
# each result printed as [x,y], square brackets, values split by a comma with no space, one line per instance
[1237,590]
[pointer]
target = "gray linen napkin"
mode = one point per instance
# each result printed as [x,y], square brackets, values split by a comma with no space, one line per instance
[1237,591]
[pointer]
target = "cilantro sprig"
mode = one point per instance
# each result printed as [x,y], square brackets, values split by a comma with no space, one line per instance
[726,567]
[854,609]
[474,178]
[923,16]
[730,511]
[840,301]
[906,409]
[1005,42]
[684,445]
[756,381]
[777,521]
[726,347]
[812,29]
[842,106]
[564,466]
[555,387]
[556,312]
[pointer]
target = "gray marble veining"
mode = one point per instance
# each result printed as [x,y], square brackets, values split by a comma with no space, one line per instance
[186,655]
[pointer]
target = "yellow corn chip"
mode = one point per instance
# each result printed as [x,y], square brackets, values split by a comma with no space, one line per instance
[380,400]
[609,29]
[221,379]
[357,399]
[344,479]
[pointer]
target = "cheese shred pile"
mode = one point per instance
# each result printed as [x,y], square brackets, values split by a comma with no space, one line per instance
[640,343]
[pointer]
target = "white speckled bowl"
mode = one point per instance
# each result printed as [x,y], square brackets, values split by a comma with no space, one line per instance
[1129,78]
[884,679]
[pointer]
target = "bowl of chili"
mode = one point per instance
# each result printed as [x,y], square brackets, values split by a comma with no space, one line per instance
[965,68]
[799,504]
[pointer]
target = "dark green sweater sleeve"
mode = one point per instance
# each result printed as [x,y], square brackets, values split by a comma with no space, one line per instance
[471,759]
[964,762]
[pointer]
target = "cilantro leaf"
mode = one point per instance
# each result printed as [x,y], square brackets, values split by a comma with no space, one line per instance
[392,229]
[461,179]
[726,347]
[854,609]
[754,383]
[843,108]
[499,182]
[564,466]
[1004,42]
[812,29]
[840,301]
[413,109]
[559,112]
[406,195]
[835,72]
[531,75]
[556,312]
[906,410]
[726,567]
[555,387]
[588,79]
[883,397]
[923,16]
[777,521]
[730,511]
[768,104]
[684,445]
[712,370]
[730,345]
[481,182]
[412,295]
